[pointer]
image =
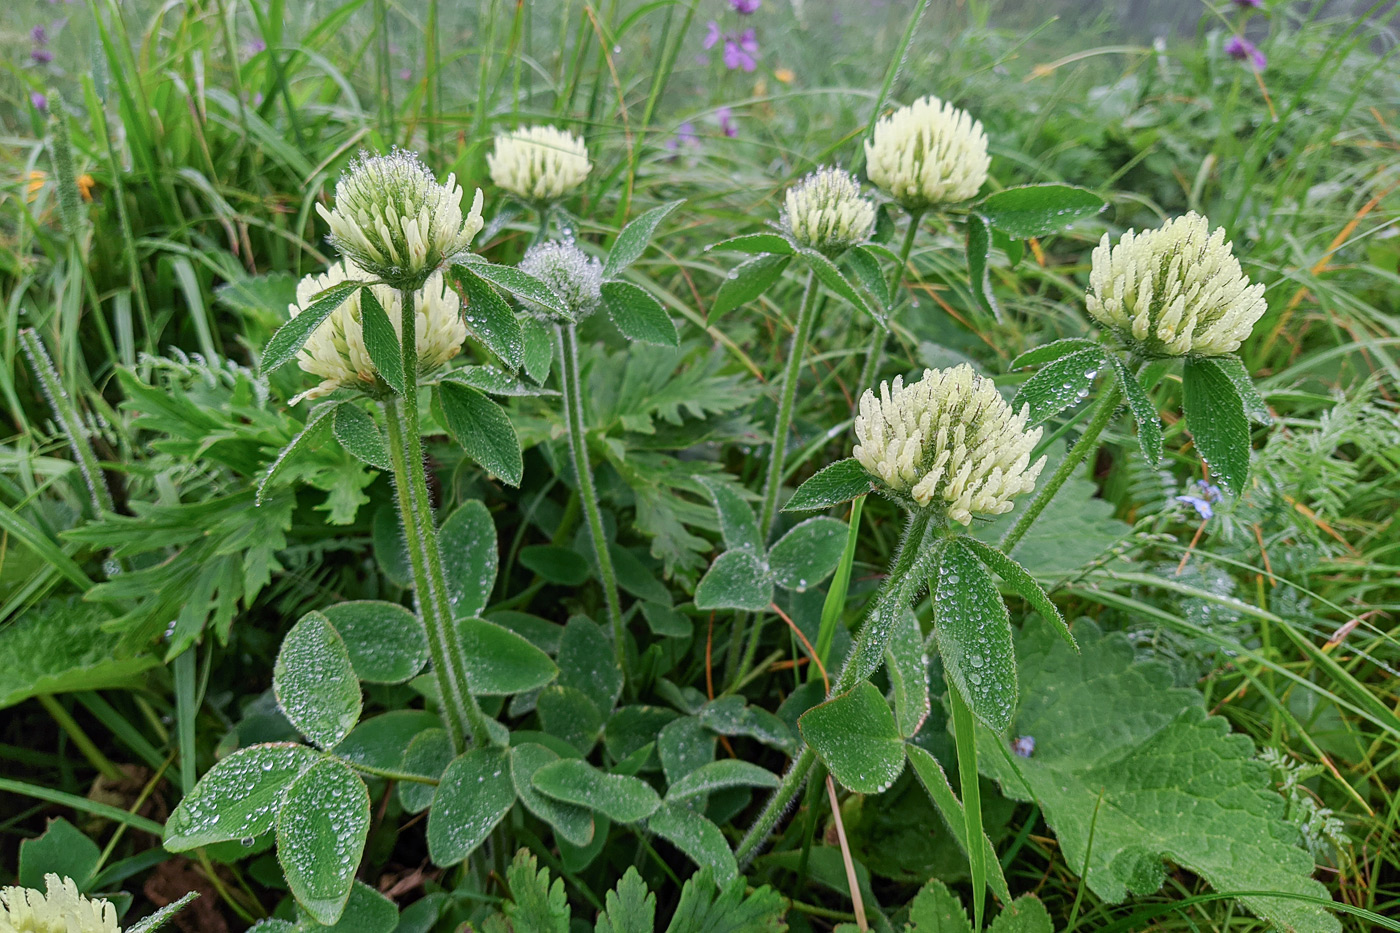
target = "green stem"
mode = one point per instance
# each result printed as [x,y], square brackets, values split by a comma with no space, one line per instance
[460,712]
[1103,413]
[801,334]
[877,337]
[572,387]
[85,745]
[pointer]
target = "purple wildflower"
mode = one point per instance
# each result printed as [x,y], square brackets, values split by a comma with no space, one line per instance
[253,47]
[41,56]
[405,74]
[1240,48]
[712,35]
[1024,746]
[725,117]
[40,35]
[1203,503]
[745,7]
[739,51]
[40,101]
[685,137]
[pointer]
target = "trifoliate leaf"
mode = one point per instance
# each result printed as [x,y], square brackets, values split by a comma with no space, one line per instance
[238,798]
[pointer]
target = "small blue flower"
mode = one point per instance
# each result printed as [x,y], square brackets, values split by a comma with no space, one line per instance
[1024,746]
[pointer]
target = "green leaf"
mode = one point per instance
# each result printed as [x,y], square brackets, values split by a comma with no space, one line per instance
[162,916]
[1052,351]
[292,336]
[483,429]
[1038,210]
[476,791]
[469,557]
[979,254]
[1023,583]
[748,280]
[755,243]
[238,797]
[907,665]
[572,823]
[619,797]
[358,433]
[973,632]
[629,908]
[492,320]
[538,354]
[867,269]
[632,240]
[697,837]
[808,553]
[500,662]
[556,564]
[935,910]
[729,715]
[321,830]
[1144,412]
[382,741]
[59,646]
[61,850]
[367,911]
[703,908]
[840,482]
[737,523]
[535,906]
[683,746]
[1026,914]
[381,341]
[638,315]
[428,754]
[1059,384]
[495,381]
[965,741]
[830,276]
[931,775]
[1254,405]
[587,662]
[1120,749]
[736,580]
[385,642]
[309,437]
[315,682]
[855,736]
[568,714]
[718,775]
[521,285]
[1215,416]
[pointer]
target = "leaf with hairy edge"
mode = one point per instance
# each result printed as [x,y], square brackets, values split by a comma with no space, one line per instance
[1023,583]
[367,911]
[292,336]
[736,580]
[906,661]
[476,791]
[1130,770]
[841,482]
[867,269]
[494,381]
[737,523]
[1254,405]
[1051,351]
[321,831]
[538,354]
[483,429]
[1144,412]
[619,797]
[1215,416]
[385,642]
[638,315]
[633,239]
[808,553]
[747,281]
[381,342]
[935,781]
[163,916]
[358,433]
[729,909]
[1059,385]
[491,319]
[718,775]
[315,683]
[1038,210]
[855,736]
[238,797]
[755,243]
[973,632]
[309,437]
[520,284]
[697,837]
[979,252]
[469,557]
[838,284]
[500,662]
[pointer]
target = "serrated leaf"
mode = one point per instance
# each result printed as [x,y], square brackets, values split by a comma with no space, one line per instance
[1038,210]
[973,631]
[628,908]
[500,662]
[315,682]
[1051,351]
[748,280]
[385,642]
[638,315]
[321,830]
[979,254]
[808,553]
[535,905]
[469,557]
[736,580]
[1120,749]
[358,433]
[572,823]
[697,837]
[703,908]
[737,523]
[906,662]
[292,336]
[632,240]
[522,285]
[238,797]
[1144,412]
[381,342]
[840,482]
[718,775]
[830,276]
[491,319]
[1059,384]
[1023,583]
[258,294]
[755,243]
[1215,416]
[931,775]
[855,735]
[483,429]
[936,910]
[619,797]
[476,791]
[1254,405]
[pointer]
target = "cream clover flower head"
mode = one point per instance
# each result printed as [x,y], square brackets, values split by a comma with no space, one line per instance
[569,273]
[948,441]
[538,163]
[826,212]
[393,220]
[336,351]
[927,153]
[1174,291]
[60,910]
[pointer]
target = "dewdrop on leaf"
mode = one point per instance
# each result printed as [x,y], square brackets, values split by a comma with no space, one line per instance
[948,441]
[1174,291]
[336,351]
[825,212]
[569,273]
[927,153]
[393,220]
[60,910]
[538,163]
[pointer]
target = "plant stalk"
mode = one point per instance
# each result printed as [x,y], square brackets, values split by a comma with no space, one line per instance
[801,335]
[873,353]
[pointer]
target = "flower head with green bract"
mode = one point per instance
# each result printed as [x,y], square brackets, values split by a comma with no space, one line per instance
[569,273]
[393,220]
[826,212]
[60,910]
[927,153]
[948,441]
[538,163]
[1174,291]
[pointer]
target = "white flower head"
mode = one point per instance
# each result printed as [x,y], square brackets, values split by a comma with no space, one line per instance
[61,910]
[826,212]
[1174,291]
[949,441]
[538,163]
[927,153]
[393,219]
[569,273]
[336,351]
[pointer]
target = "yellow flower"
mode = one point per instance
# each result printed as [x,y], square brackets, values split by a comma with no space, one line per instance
[61,910]
[538,163]
[825,211]
[927,153]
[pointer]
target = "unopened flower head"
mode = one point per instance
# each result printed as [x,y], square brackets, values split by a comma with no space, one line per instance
[948,441]
[60,910]
[927,153]
[569,273]
[336,351]
[393,219]
[1174,291]
[825,211]
[538,163]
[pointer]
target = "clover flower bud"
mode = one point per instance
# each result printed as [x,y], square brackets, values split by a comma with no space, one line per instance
[825,211]
[61,910]
[948,441]
[927,153]
[336,351]
[393,220]
[1174,291]
[538,163]
[569,273]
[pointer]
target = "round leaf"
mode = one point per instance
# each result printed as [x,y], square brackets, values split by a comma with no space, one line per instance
[500,662]
[321,831]
[573,823]
[475,793]
[736,580]
[315,683]
[698,838]
[808,553]
[467,541]
[386,643]
[855,736]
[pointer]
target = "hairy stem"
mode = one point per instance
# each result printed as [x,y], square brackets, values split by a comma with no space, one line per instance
[871,370]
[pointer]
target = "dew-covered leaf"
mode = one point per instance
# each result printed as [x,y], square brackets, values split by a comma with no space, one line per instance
[469,557]
[315,682]
[60,645]
[476,791]
[867,271]
[841,482]
[736,580]
[1038,210]
[1023,583]
[632,240]
[1254,405]
[381,741]
[683,746]
[360,435]
[1217,419]
[755,243]
[291,336]
[570,715]
[321,830]
[617,796]
[238,797]
[427,755]
[386,643]
[855,736]
[367,911]
[638,315]
[500,662]
[718,775]
[153,922]
[495,381]
[728,715]
[520,284]
[381,341]
[1060,384]
[572,823]
[907,664]
[483,429]
[538,354]
[492,321]
[935,781]
[737,523]
[973,632]
[748,280]
[632,728]
[587,663]
[1144,412]
[697,837]
[837,283]
[1049,352]
[808,553]
[978,247]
